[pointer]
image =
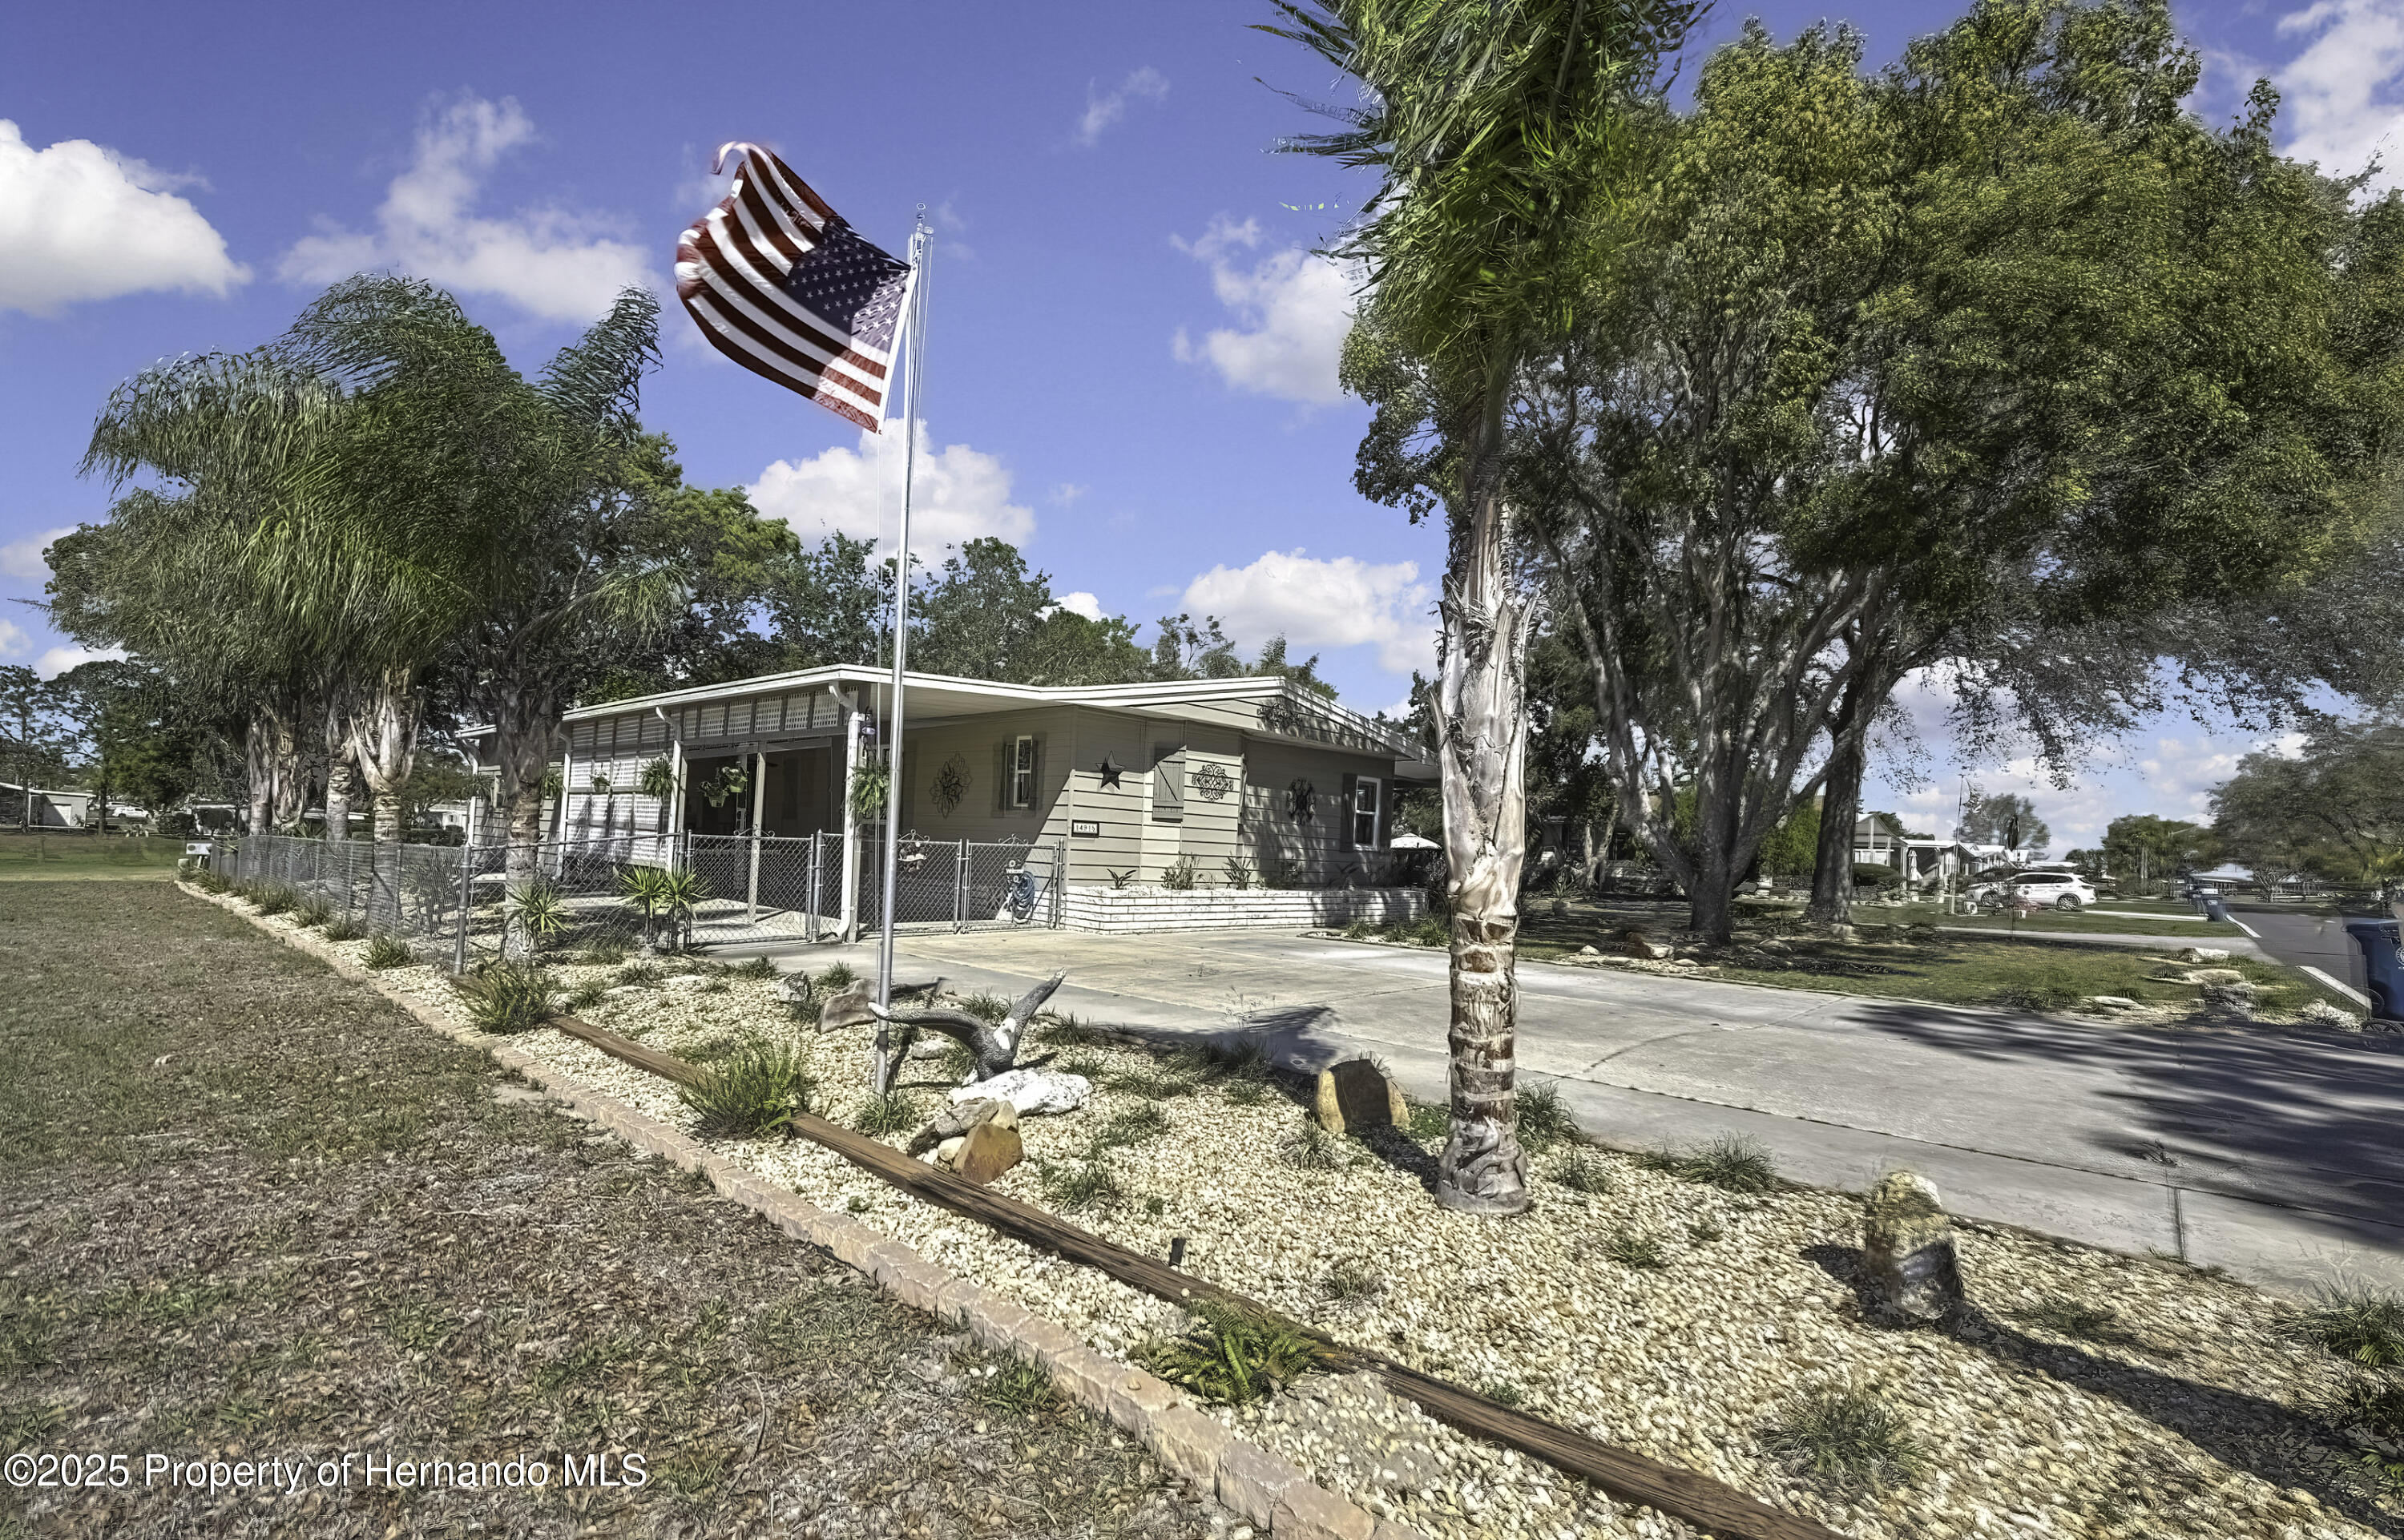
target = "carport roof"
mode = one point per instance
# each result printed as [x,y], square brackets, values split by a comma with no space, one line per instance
[1279,707]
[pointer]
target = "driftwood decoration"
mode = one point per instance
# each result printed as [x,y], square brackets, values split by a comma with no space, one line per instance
[996,1046]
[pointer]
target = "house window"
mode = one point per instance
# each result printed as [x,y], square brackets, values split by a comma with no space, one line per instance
[1020,785]
[1364,812]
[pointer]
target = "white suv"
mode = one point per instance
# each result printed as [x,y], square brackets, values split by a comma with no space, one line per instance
[2065,891]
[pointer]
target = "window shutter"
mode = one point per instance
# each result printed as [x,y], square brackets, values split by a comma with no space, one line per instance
[1351,788]
[1167,784]
[1002,776]
[1035,780]
[1386,816]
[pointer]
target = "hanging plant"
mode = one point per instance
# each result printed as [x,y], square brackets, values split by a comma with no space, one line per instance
[657,781]
[601,787]
[732,781]
[868,786]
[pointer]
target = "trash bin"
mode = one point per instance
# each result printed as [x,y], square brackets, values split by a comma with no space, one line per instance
[2213,909]
[2383,964]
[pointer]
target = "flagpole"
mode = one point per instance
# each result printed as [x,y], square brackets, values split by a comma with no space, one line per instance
[914,313]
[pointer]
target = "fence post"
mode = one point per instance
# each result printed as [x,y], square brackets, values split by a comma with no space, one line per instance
[961,886]
[467,900]
[810,915]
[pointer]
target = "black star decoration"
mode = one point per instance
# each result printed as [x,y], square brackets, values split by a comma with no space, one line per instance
[1111,773]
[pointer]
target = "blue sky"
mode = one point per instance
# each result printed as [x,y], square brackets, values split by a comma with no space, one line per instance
[1131,361]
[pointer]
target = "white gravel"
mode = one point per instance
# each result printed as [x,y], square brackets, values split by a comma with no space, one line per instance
[2028,1433]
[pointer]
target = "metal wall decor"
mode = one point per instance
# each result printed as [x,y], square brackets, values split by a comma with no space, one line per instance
[1301,801]
[1211,781]
[1110,771]
[951,784]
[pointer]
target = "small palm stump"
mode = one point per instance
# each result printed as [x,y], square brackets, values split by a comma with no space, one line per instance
[1353,1098]
[1908,1264]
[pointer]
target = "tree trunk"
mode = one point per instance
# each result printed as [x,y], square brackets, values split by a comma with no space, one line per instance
[258,770]
[338,770]
[522,862]
[383,738]
[1481,722]
[525,718]
[291,781]
[1840,805]
[1710,896]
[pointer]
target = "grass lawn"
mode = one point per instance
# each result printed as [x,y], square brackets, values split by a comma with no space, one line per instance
[2025,972]
[249,1211]
[54,856]
[2199,931]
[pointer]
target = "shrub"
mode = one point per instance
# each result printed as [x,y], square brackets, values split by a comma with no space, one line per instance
[604,954]
[834,975]
[1731,1163]
[749,1094]
[1240,873]
[344,928]
[641,973]
[1582,1173]
[2366,1326]
[538,911]
[1350,1281]
[1847,1440]
[2369,1413]
[761,969]
[311,912]
[889,1114]
[1360,930]
[1543,1119]
[1313,1148]
[1178,875]
[586,995]
[509,997]
[1087,1065]
[988,1009]
[1875,877]
[2035,995]
[1234,1356]
[389,952]
[1634,1249]
[274,899]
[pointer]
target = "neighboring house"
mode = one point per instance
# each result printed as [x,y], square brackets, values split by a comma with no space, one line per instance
[1131,780]
[55,808]
[1925,864]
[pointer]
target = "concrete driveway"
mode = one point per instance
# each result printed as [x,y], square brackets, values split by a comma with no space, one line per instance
[2275,1154]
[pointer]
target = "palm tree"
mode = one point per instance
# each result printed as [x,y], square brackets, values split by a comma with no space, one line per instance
[1501,130]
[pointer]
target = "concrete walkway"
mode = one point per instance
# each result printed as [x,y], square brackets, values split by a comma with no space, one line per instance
[2273,1154]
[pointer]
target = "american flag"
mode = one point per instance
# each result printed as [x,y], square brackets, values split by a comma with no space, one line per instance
[781,285]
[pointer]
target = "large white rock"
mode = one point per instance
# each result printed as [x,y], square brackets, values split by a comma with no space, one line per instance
[1031,1091]
[2204,954]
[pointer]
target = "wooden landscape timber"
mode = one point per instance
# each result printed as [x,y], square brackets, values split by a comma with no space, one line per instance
[1707,1505]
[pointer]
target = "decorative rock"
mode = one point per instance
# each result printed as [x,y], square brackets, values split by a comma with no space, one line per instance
[792,988]
[929,1047]
[2215,975]
[1031,1090]
[1643,950]
[987,1150]
[847,1008]
[955,1121]
[2232,1003]
[1907,1257]
[2112,1003]
[1354,1098]
[1588,951]
[949,1149]
[2204,954]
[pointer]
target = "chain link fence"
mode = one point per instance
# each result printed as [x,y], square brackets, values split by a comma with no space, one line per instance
[613,896]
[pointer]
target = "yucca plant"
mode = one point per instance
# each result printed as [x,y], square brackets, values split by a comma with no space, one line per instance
[344,928]
[750,1094]
[1235,1355]
[389,952]
[311,912]
[538,914]
[509,997]
[662,897]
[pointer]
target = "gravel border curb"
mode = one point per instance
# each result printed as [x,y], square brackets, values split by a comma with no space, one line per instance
[1260,1488]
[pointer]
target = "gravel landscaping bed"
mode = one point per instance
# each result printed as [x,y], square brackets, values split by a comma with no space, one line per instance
[2091,1395]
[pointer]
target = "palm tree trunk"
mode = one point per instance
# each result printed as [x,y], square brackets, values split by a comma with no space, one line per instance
[525,734]
[1481,750]
[383,739]
[258,769]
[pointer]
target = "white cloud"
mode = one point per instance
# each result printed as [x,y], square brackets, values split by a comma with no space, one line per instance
[13,640]
[958,494]
[81,222]
[1105,108]
[1065,494]
[2341,97]
[23,558]
[1080,603]
[1316,603]
[1292,310]
[58,659]
[554,263]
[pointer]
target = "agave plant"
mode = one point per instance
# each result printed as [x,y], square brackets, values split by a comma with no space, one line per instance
[539,913]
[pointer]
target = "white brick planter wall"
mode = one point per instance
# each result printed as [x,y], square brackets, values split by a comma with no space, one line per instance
[1153,908]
